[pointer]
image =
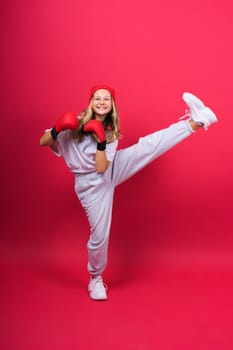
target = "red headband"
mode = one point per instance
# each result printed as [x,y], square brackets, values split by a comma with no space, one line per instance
[105,87]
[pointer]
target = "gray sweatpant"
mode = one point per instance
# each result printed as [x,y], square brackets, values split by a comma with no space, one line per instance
[95,191]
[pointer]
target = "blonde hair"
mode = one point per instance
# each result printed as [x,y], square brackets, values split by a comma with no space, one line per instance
[111,123]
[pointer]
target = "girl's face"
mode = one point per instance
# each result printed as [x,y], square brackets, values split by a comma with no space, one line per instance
[102,103]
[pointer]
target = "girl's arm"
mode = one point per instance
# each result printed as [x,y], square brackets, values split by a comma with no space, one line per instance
[96,128]
[101,162]
[67,120]
[46,139]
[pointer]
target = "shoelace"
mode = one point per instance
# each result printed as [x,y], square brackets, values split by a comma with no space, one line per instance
[187,115]
[101,283]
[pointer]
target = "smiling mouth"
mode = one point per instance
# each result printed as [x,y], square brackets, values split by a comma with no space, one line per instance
[101,108]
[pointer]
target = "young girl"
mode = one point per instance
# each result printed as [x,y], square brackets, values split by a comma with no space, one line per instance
[88,145]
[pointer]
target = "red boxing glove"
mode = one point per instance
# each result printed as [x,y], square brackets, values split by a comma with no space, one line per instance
[96,127]
[68,120]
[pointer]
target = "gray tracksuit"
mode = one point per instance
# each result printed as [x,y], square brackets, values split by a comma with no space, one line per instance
[95,191]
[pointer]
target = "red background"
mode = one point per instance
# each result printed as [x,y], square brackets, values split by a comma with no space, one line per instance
[170,264]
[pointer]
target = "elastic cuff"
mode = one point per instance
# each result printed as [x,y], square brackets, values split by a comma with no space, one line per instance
[101,146]
[189,126]
[54,133]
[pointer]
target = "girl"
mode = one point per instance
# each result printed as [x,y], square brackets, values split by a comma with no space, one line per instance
[88,145]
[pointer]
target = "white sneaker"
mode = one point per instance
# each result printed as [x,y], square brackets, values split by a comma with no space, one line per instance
[198,111]
[97,288]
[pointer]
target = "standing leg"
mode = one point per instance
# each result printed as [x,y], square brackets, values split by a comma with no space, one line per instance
[96,197]
[99,216]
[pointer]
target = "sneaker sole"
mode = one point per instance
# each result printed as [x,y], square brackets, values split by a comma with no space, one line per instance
[211,115]
[100,299]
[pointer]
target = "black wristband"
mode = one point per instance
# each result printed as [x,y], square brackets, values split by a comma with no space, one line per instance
[54,133]
[101,146]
